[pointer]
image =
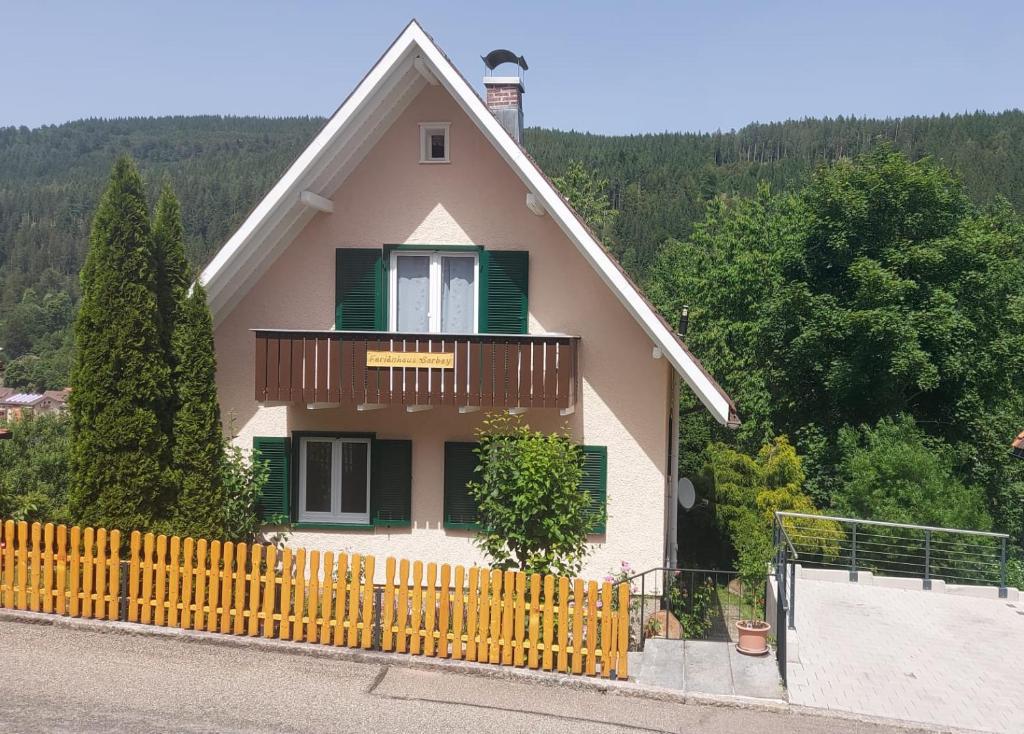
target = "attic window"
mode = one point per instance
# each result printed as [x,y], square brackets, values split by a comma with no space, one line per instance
[434,142]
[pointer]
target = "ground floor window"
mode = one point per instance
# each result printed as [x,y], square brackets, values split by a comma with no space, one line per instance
[334,480]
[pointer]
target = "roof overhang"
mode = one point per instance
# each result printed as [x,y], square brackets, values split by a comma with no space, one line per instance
[352,131]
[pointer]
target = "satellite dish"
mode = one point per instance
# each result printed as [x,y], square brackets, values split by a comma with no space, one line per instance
[686,493]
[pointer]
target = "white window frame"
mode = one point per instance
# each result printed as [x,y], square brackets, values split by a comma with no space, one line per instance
[436,286]
[426,130]
[335,515]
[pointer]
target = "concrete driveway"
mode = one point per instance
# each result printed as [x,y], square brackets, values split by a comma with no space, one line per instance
[60,679]
[939,658]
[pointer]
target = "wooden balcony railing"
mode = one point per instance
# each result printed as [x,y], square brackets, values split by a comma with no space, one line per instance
[463,370]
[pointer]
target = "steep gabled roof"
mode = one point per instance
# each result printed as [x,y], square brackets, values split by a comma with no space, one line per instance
[409,64]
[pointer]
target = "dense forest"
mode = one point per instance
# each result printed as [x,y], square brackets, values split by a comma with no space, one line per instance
[857,285]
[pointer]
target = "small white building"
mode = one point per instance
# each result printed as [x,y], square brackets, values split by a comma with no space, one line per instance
[412,270]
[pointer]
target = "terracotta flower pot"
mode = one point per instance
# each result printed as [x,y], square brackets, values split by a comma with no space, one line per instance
[753,637]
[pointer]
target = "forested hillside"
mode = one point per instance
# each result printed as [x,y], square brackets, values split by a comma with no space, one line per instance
[51,178]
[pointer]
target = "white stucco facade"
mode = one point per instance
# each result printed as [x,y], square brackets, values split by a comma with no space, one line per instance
[390,198]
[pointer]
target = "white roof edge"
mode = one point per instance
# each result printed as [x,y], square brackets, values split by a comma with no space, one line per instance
[703,386]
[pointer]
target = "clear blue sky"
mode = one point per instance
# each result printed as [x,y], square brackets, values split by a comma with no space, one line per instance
[610,67]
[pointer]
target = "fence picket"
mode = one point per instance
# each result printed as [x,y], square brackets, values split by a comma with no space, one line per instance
[212,585]
[75,574]
[100,584]
[269,591]
[532,660]
[254,590]
[313,596]
[174,581]
[507,613]
[471,613]
[352,638]
[415,623]
[458,611]
[114,576]
[284,630]
[520,620]
[238,608]
[607,646]
[622,664]
[35,566]
[494,649]
[326,596]
[368,602]
[48,568]
[483,622]
[199,617]
[299,594]
[187,582]
[340,587]
[387,633]
[577,626]
[226,586]
[563,624]
[22,565]
[591,628]
[444,606]
[147,578]
[549,621]
[88,551]
[62,576]
[430,618]
[8,551]
[160,594]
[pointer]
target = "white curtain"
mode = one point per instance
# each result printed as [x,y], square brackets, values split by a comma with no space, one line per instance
[457,295]
[413,293]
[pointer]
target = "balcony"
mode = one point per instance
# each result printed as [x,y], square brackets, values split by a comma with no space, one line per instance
[376,369]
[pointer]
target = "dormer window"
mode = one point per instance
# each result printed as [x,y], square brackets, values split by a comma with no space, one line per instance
[434,145]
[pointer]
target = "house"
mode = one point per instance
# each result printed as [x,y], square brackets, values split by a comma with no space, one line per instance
[15,405]
[412,270]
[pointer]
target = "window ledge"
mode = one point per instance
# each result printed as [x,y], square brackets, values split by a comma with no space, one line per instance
[333,526]
[462,526]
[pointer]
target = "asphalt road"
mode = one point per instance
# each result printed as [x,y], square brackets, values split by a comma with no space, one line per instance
[58,679]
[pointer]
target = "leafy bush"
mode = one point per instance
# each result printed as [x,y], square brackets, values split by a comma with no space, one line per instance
[243,482]
[533,513]
[34,470]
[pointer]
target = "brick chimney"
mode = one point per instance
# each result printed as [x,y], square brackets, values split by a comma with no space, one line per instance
[505,100]
[505,93]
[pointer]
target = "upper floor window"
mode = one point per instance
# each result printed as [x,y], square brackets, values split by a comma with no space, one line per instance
[434,144]
[434,292]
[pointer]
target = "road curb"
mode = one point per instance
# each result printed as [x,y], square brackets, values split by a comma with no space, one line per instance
[479,670]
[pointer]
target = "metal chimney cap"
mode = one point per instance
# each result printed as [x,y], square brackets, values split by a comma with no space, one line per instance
[503,56]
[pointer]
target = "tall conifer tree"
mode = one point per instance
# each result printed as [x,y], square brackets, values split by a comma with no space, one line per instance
[172,279]
[120,375]
[198,441]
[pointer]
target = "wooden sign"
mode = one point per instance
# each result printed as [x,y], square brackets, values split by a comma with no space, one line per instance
[422,360]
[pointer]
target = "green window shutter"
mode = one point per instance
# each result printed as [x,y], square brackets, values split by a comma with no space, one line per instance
[595,482]
[360,298]
[460,464]
[391,484]
[504,291]
[276,451]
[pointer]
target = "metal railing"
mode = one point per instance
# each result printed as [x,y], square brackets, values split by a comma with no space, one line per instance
[952,555]
[786,557]
[689,603]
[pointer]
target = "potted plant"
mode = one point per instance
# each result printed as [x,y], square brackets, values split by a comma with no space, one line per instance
[753,556]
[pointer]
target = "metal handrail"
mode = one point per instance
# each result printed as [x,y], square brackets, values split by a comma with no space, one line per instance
[926,530]
[857,521]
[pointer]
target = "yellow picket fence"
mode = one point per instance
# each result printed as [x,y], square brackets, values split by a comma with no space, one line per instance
[60,570]
[476,614]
